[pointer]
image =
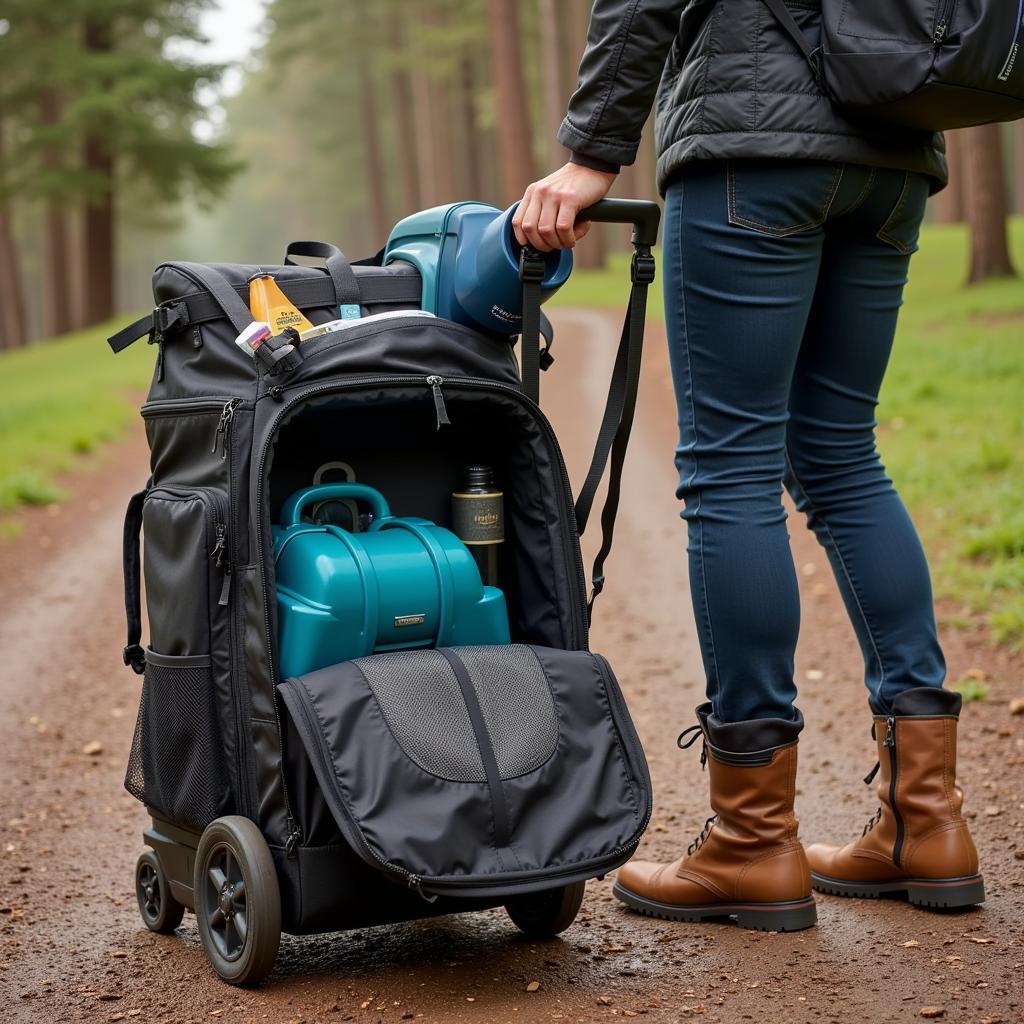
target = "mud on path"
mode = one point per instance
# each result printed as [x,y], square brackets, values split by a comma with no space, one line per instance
[73,947]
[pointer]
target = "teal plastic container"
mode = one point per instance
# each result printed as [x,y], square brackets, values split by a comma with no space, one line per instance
[403,583]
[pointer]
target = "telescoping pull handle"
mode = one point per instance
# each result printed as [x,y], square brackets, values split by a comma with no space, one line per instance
[291,512]
[644,215]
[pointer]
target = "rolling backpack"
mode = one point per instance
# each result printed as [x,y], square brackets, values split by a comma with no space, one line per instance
[406,783]
[926,64]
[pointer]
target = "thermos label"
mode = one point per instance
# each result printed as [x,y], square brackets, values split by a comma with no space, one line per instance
[478,518]
[410,620]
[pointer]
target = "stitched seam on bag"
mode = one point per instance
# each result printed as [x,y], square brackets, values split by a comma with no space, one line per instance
[619,753]
[883,234]
[781,232]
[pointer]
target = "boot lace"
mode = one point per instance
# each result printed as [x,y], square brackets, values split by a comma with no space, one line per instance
[704,833]
[872,822]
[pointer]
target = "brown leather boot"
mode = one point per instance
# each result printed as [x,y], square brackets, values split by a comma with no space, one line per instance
[747,864]
[917,846]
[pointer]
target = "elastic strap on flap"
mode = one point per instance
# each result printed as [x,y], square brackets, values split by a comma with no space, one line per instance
[134,655]
[346,287]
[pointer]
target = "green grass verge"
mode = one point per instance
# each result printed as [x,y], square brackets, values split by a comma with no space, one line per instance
[63,398]
[951,420]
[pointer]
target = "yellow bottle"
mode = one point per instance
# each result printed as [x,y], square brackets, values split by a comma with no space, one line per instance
[269,305]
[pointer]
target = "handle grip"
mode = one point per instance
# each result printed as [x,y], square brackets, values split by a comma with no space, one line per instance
[291,511]
[644,215]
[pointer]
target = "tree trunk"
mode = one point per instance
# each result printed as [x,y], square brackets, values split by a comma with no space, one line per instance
[98,216]
[376,176]
[552,50]
[514,143]
[13,328]
[949,203]
[472,167]
[590,253]
[986,204]
[57,310]
[402,100]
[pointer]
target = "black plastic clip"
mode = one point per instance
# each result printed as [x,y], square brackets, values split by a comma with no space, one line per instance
[135,657]
[531,265]
[642,266]
[598,586]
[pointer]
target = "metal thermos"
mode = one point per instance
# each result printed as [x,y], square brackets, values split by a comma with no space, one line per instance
[478,519]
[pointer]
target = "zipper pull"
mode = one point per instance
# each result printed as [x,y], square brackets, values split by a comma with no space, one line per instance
[219,548]
[293,840]
[227,414]
[870,777]
[416,886]
[940,32]
[439,406]
[890,732]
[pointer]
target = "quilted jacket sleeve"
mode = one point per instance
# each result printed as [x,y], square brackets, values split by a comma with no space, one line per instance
[627,45]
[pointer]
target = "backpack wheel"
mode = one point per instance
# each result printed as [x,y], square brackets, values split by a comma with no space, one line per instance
[546,913]
[238,902]
[160,911]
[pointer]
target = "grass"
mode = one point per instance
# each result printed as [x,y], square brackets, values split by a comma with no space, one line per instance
[62,399]
[951,422]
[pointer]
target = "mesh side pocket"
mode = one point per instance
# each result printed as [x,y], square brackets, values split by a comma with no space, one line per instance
[423,706]
[516,703]
[177,763]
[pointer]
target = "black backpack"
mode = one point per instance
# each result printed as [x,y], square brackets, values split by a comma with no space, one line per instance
[399,785]
[925,64]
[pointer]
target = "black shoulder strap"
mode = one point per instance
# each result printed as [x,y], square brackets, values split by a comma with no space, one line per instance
[134,654]
[222,291]
[788,22]
[346,287]
[617,421]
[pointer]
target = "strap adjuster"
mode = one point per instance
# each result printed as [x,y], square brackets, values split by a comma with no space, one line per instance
[135,658]
[642,267]
[531,265]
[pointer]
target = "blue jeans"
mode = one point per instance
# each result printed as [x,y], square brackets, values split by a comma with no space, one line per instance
[783,280]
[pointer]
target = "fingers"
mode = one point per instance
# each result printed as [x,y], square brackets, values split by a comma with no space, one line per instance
[581,228]
[517,220]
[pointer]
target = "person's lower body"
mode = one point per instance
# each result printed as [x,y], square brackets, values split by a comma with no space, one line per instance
[783,284]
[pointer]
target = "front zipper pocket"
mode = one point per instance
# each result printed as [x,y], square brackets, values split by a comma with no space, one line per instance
[179,760]
[474,770]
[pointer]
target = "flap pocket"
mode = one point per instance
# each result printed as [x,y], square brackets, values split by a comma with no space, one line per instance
[476,770]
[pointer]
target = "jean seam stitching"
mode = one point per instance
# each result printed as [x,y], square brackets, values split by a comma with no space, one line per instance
[781,232]
[846,572]
[872,174]
[883,234]
[693,420]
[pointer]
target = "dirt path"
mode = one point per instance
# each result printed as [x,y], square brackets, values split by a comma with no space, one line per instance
[73,947]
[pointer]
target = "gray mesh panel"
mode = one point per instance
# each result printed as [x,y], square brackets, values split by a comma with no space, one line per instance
[516,703]
[422,703]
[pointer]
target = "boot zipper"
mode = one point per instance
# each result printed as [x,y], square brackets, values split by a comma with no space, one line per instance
[439,407]
[890,742]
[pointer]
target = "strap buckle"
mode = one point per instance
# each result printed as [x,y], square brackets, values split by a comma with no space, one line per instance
[598,586]
[642,266]
[165,317]
[531,265]
[135,657]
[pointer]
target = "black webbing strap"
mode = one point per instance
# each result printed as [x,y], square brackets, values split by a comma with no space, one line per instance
[134,654]
[617,422]
[346,287]
[200,307]
[788,22]
[223,293]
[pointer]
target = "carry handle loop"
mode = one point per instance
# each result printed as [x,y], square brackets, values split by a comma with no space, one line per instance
[134,654]
[346,286]
[291,511]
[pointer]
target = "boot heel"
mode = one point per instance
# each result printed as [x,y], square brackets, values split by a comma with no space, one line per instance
[959,892]
[779,917]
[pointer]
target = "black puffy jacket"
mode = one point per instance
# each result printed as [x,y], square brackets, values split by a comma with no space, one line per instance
[732,85]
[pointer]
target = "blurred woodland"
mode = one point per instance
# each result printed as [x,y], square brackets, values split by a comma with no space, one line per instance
[350,116]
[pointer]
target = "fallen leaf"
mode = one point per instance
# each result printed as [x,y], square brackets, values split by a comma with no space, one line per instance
[932,1011]
[910,942]
[93,748]
[534,986]
[604,1000]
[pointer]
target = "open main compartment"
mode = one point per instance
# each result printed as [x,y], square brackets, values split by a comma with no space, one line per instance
[388,435]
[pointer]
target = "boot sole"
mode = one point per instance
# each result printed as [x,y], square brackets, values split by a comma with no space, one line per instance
[792,916]
[930,893]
